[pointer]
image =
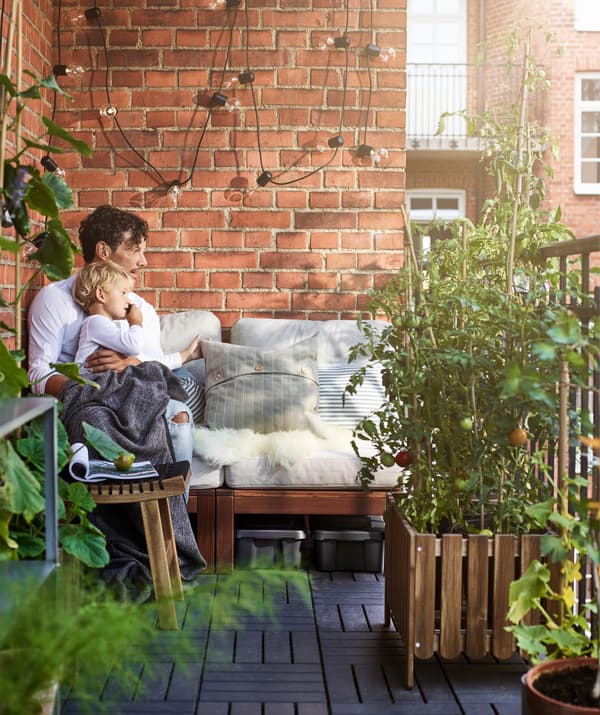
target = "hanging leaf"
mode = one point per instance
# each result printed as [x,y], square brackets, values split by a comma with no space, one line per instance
[55,131]
[13,378]
[101,442]
[60,190]
[40,197]
[24,491]
[55,255]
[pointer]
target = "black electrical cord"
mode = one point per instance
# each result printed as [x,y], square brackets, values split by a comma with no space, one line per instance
[267,175]
[369,74]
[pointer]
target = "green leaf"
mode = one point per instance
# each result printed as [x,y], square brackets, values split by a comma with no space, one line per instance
[55,131]
[40,197]
[55,255]
[526,592]
[8,85]
[61,191]
[31,546]
[79,496]
[8,244]
[566,330]
[73,372]
[13,378]
[530,639]
[101,442]
[23,489]
[86,545]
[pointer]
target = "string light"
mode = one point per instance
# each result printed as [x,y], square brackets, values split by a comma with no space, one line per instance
[108,111]
[333,143]
[264,178]
[365,151]
[245,77]
[68,70]
[221,100]
[221,4]
[76,17]
[374,50]
[174,192]
[51,166]
[338,43]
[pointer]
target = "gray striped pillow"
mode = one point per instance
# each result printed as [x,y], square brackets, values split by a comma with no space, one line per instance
[346,410]
[262,390]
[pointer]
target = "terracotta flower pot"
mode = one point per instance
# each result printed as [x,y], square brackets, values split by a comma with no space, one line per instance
[536,703]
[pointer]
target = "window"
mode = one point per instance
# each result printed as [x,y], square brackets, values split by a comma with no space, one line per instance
[587,133]
[587,15]
[426,205]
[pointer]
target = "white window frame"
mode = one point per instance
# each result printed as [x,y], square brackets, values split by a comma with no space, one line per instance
[579,186]
[424,216]
[587,16]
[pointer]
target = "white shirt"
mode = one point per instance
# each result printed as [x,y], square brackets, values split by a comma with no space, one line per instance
[101,331]
[55,320]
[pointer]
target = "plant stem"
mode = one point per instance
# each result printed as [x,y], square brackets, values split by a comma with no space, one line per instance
[18,278]
[510,261]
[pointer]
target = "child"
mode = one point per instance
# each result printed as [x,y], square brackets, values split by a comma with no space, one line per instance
[102,290]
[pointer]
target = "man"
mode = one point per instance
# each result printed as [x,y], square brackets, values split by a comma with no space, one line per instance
[55,318]
[130,404]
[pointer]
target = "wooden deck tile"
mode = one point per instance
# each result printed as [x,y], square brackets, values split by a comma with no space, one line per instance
[331,655]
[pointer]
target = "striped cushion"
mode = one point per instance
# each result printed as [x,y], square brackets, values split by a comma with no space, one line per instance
[196,399]
[347,410]
[262,390]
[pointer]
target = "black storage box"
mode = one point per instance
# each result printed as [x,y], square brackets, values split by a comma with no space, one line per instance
[268,548]
[358,546]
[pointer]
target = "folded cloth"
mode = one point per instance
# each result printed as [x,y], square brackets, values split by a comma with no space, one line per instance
[130,407]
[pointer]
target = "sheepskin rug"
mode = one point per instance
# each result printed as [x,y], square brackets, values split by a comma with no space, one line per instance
[219,447]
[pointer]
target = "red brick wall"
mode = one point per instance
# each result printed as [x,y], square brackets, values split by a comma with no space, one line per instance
[311,249]
[36,46]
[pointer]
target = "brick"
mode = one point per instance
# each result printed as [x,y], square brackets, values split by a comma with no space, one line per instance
[270,300]
[323,281]
[252,280]
[262,219]
[290,260]
[287,240]
[325,220]
[191,279]
[225,260]
[225,279]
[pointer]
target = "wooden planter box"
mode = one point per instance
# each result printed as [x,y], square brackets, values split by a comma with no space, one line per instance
[449,594]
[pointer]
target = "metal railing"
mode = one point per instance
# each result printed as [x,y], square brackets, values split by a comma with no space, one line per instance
[433,89]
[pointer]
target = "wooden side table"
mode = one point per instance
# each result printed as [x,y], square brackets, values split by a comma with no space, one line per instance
[153,497]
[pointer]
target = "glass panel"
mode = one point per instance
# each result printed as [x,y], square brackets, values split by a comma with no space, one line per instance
[447,204]
[590,90]
[590,147]
[590,121]
[448,33]
[447,7]
[421,203]
[420,7]
[590,172]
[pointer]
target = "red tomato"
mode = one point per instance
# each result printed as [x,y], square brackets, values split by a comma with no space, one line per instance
[404,458]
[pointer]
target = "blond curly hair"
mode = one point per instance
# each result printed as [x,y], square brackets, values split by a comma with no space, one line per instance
[99,274]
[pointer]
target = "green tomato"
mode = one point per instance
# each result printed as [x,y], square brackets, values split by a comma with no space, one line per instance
[460,484]
[387,459]
[466,423]
[124,461]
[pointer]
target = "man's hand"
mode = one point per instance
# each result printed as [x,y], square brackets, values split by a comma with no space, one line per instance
[193,350]
[103,360]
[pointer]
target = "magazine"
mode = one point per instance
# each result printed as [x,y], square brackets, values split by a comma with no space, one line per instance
[84,469]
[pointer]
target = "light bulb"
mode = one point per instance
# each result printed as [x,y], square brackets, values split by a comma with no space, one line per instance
[387,55]
[231,83]
[374,50]
[68,70]
[340,43]
[109,111]
[221,4]
[174,192]
[379,155]
[77,18]
[61,173]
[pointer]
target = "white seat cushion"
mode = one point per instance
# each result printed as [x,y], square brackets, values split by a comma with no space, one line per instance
[205,476]
[324,470]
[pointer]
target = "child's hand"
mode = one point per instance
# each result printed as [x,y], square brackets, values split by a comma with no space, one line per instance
[193,350]
[134,315]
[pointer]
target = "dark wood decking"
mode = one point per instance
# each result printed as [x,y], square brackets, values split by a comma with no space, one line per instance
[326,655]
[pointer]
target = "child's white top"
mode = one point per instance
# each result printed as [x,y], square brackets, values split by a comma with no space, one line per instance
[99,331]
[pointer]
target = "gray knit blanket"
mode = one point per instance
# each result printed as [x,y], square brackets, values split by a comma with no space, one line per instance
[130,407]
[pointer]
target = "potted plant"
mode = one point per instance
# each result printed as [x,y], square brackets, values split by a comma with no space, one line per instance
[563,643]
[470,363]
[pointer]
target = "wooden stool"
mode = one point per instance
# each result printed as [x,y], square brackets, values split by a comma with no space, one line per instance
[153,497]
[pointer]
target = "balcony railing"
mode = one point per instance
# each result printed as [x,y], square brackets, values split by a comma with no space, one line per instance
[434,89]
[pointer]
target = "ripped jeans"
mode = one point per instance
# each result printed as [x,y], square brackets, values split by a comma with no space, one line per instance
[181,433]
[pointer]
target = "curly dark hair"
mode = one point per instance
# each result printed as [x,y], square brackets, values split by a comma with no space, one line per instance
[109,224]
